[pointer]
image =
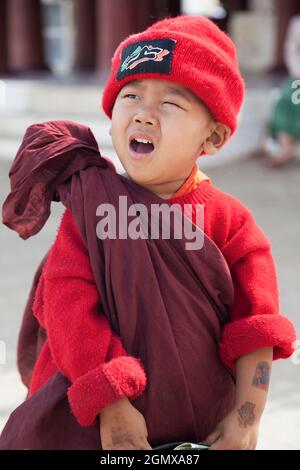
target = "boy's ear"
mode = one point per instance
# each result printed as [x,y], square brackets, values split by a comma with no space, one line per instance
[217,139]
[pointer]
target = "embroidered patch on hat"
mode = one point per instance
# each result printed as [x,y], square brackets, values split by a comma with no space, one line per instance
[150,56]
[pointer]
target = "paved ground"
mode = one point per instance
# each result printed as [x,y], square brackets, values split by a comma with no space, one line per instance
[273,196]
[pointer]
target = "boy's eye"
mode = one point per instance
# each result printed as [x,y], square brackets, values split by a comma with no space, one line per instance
[130,94]
[165,102]
[174,104]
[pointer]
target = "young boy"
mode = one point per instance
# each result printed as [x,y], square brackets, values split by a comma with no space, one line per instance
[174,94]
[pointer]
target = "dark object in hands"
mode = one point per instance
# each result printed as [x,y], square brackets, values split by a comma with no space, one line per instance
[183,446]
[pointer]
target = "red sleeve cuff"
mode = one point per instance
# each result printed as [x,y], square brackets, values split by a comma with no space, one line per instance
[89,394]
[258,331]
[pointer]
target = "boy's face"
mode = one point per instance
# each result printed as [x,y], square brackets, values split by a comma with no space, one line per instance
[172,118]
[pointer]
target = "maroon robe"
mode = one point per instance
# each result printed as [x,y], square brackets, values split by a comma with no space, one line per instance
[167,303]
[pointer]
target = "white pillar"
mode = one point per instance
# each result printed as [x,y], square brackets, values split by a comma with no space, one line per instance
[209,8]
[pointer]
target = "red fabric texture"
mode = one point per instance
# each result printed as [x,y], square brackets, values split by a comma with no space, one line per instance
[121,377]
[79,339]
[255,319]
[80,342]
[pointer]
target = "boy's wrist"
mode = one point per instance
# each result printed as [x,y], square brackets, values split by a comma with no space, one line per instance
[117,405]
[248,410]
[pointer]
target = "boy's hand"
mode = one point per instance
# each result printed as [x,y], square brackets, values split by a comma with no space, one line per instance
[237,431]
[123,427]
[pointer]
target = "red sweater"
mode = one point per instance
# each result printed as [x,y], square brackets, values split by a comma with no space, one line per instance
[81,344]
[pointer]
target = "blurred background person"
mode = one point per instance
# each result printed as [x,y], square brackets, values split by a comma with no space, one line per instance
[283,128]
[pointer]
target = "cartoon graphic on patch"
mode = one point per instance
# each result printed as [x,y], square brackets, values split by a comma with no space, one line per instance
[149,56]
[143,54]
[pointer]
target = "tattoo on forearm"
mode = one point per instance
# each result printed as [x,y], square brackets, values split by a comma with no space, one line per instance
[261,378]
[246,414]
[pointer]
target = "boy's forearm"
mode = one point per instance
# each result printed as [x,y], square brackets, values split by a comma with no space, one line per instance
[253,373]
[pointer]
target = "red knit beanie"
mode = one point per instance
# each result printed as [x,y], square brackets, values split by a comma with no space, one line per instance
[190,50]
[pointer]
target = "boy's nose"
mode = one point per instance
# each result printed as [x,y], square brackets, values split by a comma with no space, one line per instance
[145,116]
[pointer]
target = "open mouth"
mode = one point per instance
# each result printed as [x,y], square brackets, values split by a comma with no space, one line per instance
[141,146]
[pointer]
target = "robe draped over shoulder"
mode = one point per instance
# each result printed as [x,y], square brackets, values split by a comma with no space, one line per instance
[167,303]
